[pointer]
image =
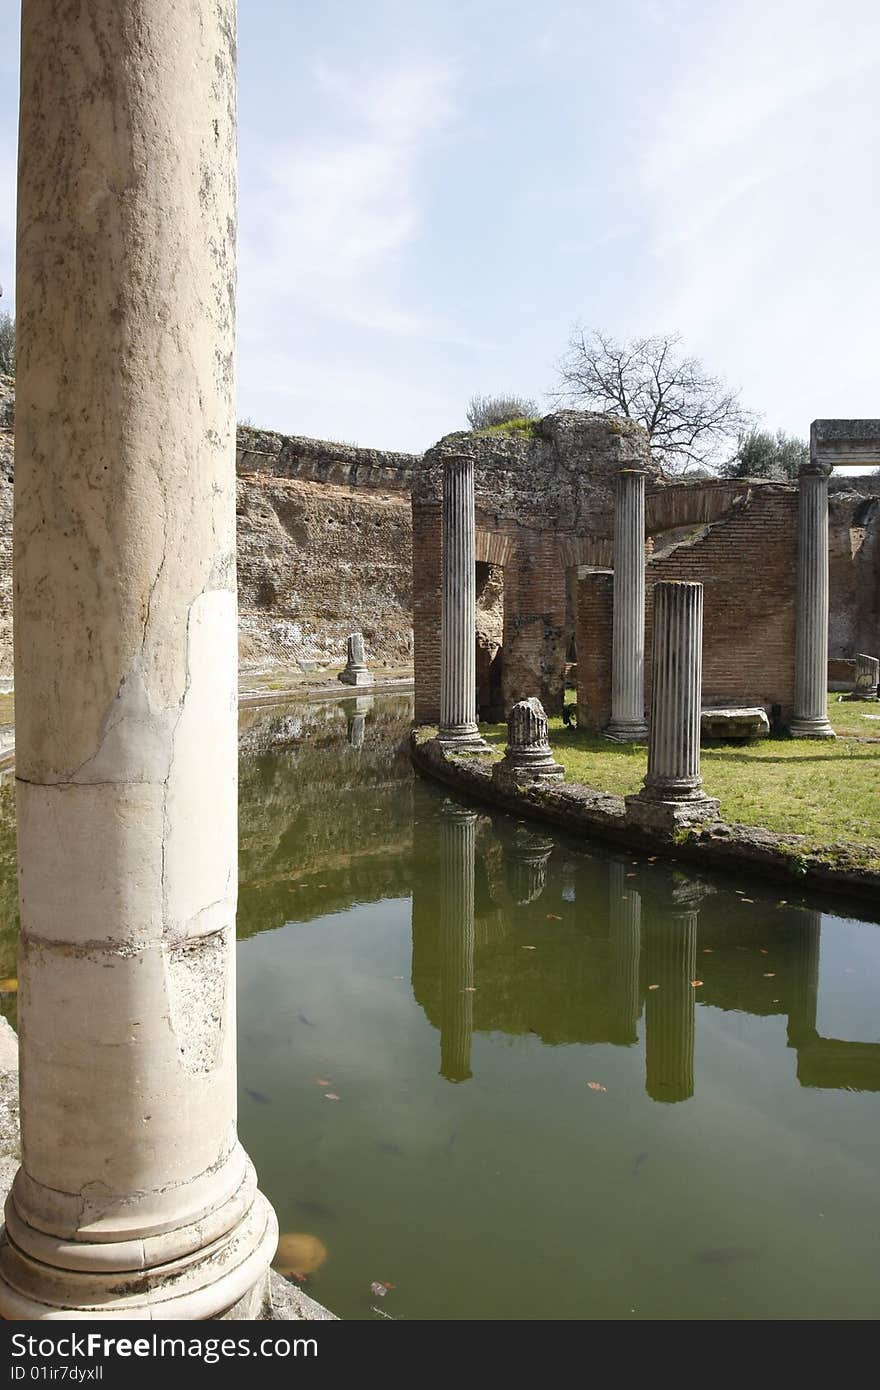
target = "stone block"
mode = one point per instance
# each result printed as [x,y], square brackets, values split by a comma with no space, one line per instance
[733,723]
[668,816]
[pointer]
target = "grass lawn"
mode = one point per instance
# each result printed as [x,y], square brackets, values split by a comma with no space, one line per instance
[826,790]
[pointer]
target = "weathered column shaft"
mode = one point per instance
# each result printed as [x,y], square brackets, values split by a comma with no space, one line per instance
[674,750]
[134,1197]
[624,926]
[811,651]
[458,847]
[670,1005]
[628,626]
[458,637]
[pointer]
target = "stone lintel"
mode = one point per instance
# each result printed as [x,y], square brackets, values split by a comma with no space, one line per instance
[849,443]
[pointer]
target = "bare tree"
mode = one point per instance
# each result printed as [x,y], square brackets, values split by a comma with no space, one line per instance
[692,418]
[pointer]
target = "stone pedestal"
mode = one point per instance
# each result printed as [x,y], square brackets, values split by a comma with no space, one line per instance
[673,791]
[867,668]
[134,1198]
[628,628]
[458,628]
[811,649]
[457,854]
[527,758]
[356,671]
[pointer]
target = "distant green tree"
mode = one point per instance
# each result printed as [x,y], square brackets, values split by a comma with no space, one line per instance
[773,457]
[7,344]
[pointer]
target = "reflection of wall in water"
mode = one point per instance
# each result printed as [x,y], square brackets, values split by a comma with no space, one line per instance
[312,807]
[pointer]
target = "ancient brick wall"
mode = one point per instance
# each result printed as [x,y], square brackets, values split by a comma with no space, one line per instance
[594,619]
[542,506]
[740,541]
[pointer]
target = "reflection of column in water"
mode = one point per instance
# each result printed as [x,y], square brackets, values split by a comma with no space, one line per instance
[625,932]
[356,726]
[802,985]
[457,846]
[528,866]
[671,950]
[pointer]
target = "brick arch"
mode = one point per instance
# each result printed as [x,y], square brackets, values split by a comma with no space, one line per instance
[493,548]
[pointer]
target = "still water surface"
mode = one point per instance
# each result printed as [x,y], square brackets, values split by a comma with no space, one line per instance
[570,1085]
[510,1077]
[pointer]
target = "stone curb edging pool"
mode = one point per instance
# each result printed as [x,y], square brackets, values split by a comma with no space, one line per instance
[600,816]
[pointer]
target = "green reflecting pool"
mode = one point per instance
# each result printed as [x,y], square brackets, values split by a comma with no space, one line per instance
[508,1077]
[568,1085]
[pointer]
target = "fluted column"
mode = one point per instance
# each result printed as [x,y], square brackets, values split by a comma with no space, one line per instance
[458,627]
[625,933]
[134,1198]
[671,952]
[458,831]
[628,621]
[673,789]
[811,646]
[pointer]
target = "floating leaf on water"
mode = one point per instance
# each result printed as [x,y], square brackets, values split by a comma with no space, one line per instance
[299,1254]
[596,1086]
[9,985]
[331,1095]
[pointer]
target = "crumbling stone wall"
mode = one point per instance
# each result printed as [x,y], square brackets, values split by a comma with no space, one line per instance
[542,506]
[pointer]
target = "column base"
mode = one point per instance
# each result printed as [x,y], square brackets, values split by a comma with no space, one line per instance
[818,727]
[627,730]
[528,771]
[356,675]
[657,813]
[225,1277]
[463,738]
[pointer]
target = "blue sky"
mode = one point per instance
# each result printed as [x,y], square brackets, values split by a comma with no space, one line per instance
[433,192]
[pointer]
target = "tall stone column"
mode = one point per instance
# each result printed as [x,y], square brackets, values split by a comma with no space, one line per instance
[458,833]
[625,931]
[458,627]
[673,790]
[134,1198]
[670,1004]
[811,648]
[628,624]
